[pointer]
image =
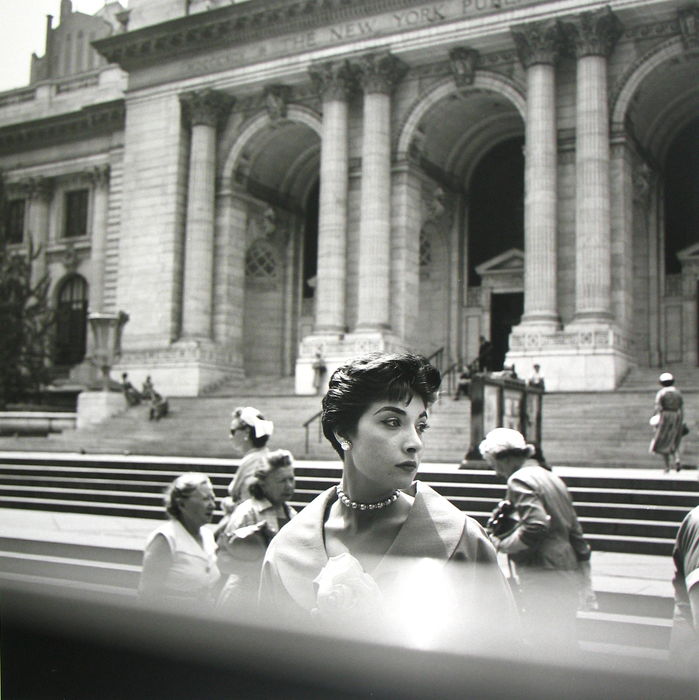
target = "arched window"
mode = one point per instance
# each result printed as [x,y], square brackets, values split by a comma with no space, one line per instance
[71,321]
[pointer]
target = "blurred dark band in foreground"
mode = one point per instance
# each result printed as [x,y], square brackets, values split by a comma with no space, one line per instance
[61,643]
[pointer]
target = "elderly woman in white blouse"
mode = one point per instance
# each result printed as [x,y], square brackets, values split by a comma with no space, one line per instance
[179,562]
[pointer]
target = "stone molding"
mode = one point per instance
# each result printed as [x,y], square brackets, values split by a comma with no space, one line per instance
[334,80]
[463,61]
[538,42]
[93,120]
[36,188]
[182,352]
[205,107]
[380,72]
[688,21]
[600,338]
[594,33]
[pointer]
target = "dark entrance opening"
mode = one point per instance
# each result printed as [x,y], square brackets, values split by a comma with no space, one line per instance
[71,327]
[505,312]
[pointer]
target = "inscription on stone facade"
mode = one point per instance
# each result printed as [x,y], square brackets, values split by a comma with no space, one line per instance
[427,15]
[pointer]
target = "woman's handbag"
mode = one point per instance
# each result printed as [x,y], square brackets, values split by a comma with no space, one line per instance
[685,429]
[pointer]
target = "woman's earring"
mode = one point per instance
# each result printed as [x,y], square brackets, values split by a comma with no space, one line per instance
[345,444]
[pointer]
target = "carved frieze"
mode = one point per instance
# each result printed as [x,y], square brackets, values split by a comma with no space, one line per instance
[538,42]
[380,72]
[205,107]
[334,80]
[594,34]
[463,62]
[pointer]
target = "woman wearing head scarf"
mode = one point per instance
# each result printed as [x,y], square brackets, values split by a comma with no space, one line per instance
[375,547]
[538,529]
[249,434]
[668,421]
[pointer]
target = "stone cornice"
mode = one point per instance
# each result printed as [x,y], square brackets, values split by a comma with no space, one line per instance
[90,121]
[232,25]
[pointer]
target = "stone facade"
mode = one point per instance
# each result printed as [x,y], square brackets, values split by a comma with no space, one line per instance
[266,179]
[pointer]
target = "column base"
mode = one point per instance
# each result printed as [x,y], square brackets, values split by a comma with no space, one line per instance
[188,367]
[336,350]
[580,357]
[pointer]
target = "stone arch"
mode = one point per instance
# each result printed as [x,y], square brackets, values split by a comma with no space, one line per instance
[637,73]
[483,80]
[261,122]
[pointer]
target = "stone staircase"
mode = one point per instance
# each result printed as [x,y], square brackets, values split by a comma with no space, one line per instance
[637,517]
[579,428]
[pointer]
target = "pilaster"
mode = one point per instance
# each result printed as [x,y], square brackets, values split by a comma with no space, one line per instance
[99,178]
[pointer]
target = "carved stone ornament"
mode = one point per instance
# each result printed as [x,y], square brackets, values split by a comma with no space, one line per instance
[206,107]
[688,21]
[334,80]
[417,144]
[642,181]
[538,42]
[70,258]
[436,206]
[380,72]
[99,175]
[276,100]
[463,63]
[38,188]
[594,34]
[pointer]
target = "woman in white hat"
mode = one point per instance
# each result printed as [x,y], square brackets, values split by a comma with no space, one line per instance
[543,539]
[668,422]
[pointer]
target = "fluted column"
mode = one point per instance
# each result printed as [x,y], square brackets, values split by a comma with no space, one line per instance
[39,191]
[378,74]
[593,37]
[538,45]
[100,201]
[334,82]
[203,108]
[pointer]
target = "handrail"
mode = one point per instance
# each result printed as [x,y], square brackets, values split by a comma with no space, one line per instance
[437,358]
[307,426]
[449,375]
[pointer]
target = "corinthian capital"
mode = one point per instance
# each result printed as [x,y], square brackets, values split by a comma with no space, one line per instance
[334,80]
[99,175]
[538,42]
[38,188]
[206,106]
[595,33]
[380,72]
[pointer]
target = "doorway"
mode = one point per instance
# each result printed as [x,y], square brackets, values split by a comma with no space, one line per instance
[506,311]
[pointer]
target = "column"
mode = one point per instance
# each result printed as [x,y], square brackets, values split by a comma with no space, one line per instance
[203,108]
[593,37]
[538,46]
[40,191]
[334,83]
[379,73]
[100,202]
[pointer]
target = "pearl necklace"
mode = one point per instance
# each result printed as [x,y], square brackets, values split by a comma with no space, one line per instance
[355,505]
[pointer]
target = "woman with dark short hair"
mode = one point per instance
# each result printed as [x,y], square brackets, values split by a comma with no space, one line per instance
[179,562]
[374,548]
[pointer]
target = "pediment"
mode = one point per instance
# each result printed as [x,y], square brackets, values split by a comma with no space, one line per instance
[689,254]
[511,260]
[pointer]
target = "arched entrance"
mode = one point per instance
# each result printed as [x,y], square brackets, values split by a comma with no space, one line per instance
[660,99]
[277,163]
[71,322]
[471,171]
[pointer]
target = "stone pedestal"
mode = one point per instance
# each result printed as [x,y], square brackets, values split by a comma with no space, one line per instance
[96,406]
[337,350]
[582,357]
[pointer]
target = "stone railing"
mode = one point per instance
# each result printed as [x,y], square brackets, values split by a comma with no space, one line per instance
[35,422]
